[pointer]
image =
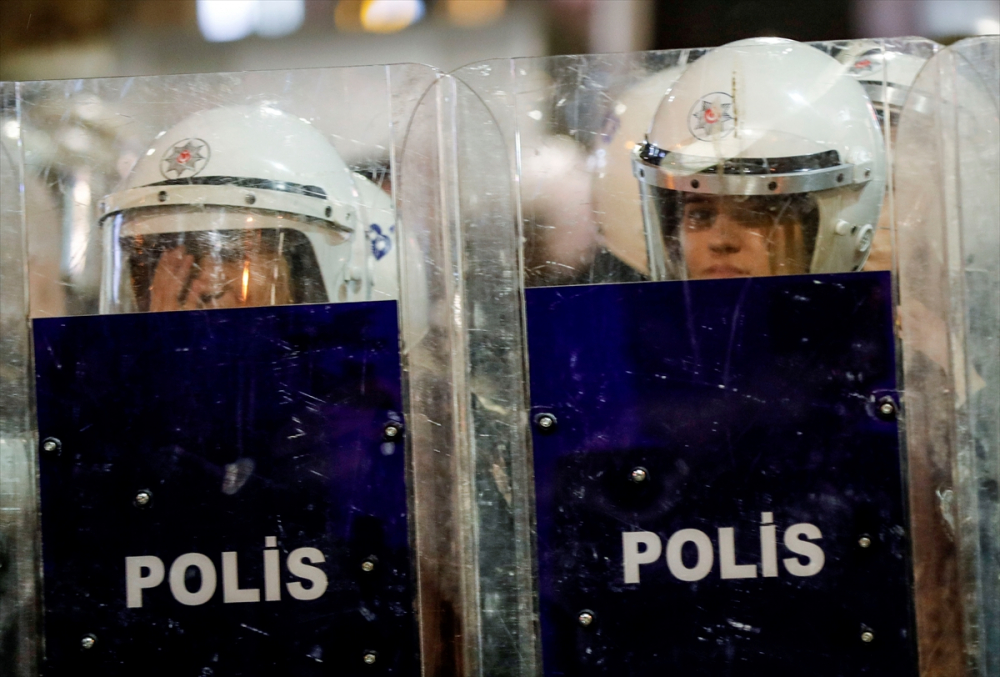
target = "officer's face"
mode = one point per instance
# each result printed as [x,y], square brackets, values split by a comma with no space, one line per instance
[258,278]
[737,236]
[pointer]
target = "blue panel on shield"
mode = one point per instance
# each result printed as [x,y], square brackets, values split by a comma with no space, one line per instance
[220,496]
[718,483]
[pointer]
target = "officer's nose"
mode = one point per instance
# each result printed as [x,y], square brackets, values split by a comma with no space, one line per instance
[726,235]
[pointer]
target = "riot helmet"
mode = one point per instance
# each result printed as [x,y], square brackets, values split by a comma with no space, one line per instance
[762,159]
[886,74]
[236,207]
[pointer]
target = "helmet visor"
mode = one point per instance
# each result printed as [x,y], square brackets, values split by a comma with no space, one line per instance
[184,258]
[699,236]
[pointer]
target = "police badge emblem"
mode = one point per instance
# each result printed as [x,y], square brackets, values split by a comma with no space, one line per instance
[866,62]
[185,159]
[711,117]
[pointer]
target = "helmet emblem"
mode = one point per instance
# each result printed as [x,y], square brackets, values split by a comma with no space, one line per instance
[711,117]
[381,244]
[866,63]
[185,158]
[862,65]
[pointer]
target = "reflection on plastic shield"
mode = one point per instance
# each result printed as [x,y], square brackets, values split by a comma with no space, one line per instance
[718,482]
[223,493]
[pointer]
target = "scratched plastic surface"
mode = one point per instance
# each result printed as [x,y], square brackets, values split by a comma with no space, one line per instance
[751,409]
[70,150]
[948,218]
[251,432]
[516,174]
[569,124]
[18,511]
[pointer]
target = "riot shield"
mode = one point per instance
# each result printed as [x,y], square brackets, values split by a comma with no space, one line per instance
[948,217]
[466,381]
[210,270]
[609,364]
[721,459]
[18,510]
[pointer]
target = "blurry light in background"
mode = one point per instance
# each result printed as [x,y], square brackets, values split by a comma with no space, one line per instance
[390,16]
[987,26]
[276,18]
[943,18]
[472,13]
[12,129]
[347,16]
[228,20]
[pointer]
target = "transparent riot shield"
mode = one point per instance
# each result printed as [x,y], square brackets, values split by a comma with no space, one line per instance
[18,510]
[466,380]
[948,217]
[212,418]
[725,460]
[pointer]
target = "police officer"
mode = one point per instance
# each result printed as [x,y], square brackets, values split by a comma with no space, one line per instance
[245,206]
[763,159]
[241,207]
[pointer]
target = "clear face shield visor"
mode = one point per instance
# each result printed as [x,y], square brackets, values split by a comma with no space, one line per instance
[193,258]
[702,236]
[749,217]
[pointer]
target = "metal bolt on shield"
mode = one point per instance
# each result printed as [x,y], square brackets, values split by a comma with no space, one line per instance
[370,657]
[639,475]
[867,637]
[51,445]
[887,408]
[392,431]
[865,541]
[88,642]
[586,618]
[143,498]
[545,422]
[368,566]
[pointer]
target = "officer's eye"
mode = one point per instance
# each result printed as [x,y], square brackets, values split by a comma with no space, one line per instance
[699,217]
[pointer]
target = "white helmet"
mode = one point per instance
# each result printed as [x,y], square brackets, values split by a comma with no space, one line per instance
[617,208]
[247,205]
[885,73]
[775,125]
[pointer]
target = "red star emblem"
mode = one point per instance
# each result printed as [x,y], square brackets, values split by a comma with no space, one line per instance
[185,159]
[711,116]
[865,63]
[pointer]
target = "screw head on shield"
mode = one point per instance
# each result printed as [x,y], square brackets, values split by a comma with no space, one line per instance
[546,422]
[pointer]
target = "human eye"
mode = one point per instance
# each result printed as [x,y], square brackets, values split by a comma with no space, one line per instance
[698,216]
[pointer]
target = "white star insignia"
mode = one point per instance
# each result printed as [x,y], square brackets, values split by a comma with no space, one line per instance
[711,116]
[186,158]
[712,113]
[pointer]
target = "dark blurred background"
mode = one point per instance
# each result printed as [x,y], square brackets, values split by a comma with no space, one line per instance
[51,39]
